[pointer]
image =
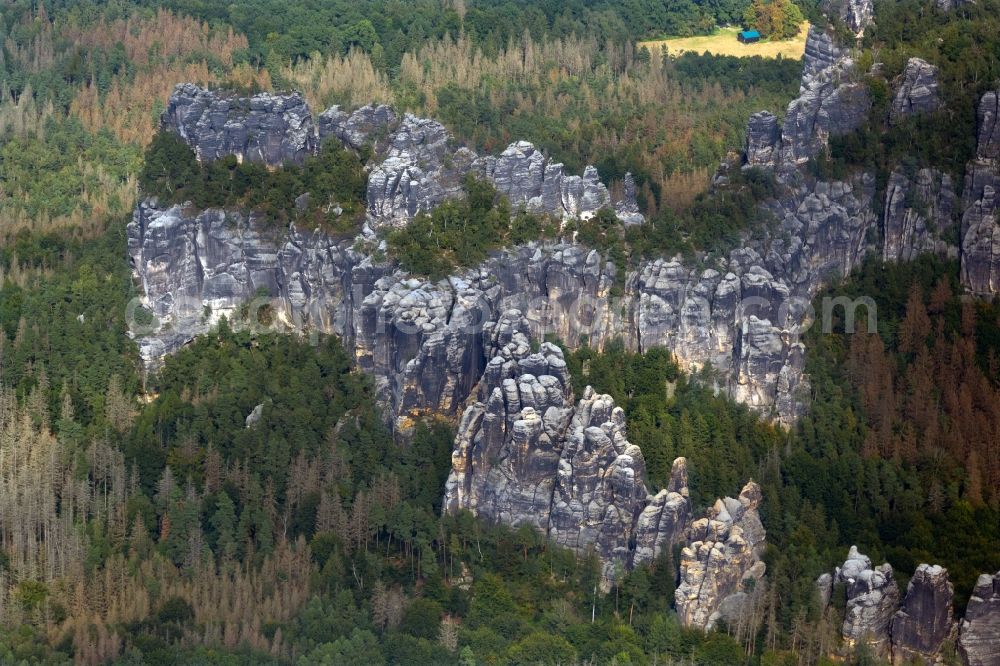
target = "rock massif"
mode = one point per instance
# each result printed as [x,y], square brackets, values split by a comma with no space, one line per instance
[721,565]
[925,619]
[422,341]
[911,631]
[980,229]
[528,453]
[872,600]
[273,129]
[979,638]
[917,92]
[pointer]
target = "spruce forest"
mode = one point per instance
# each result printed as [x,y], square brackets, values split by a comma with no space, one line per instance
[259,496]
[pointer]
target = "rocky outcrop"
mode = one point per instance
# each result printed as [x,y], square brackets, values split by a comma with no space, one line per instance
[422,169]
[198,266]
[925,619]
[721,564]
[273,129]
[627,205]
[917,92]
[919,216]
[949,5]
[415,166]
[422,340]
[527,453]
[980,231]
[370,125]
[979,636]
[829,103]
[855,14]
[872,600]
[664,520]
[763,135]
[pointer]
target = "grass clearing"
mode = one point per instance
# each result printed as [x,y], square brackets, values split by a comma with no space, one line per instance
[723,42]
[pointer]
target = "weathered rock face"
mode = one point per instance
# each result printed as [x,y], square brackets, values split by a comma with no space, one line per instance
[828,103]
[422,340]
[415,175]
[925,619]
[526,453]
[721,560]
[197,266]
[422,169]
[856,14]
[273,129]
[919,215]
[979,636]
[416,165]
[949,5]
[371,124]
[627,206]
[763,134]
[917,92]
[872,600]
[980,232]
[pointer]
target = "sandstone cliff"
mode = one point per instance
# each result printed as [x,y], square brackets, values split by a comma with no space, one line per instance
[979,638]
[872,600]
[721,565]
[740,313]
[980,231]
[527,452]
[925,619]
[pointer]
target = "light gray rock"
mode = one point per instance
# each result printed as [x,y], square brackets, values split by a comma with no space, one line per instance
[829,104]
[925,619]
[527,453]
[720,560]
[872,600]
[919,216]
[917,92]
[763,135]
[273,129]
[988,139]
[980,231]
[979,636]
[253,418]
[419,172]
[533,183]
[371,124]
[627,207]
[857,15]
[824,587]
